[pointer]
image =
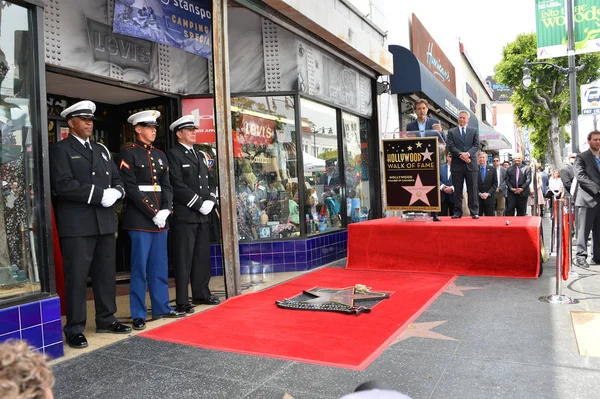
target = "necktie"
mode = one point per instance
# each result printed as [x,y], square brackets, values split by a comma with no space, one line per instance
[482,169]
[87,145]
[464,135]
[518,174]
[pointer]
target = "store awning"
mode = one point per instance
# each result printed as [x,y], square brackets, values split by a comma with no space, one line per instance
[411,76]
[493,139]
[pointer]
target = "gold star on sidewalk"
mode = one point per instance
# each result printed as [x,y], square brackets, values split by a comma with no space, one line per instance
[454,289]
[423,330]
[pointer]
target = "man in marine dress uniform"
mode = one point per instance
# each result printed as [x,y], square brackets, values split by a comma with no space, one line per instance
[194,196]
[145,172]
[86,184]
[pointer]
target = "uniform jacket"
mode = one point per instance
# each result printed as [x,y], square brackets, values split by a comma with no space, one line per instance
[145,172]
[455,145]
[78,178]
[447,182]
[193,183]
[489,184]
[588,180]
[524,180]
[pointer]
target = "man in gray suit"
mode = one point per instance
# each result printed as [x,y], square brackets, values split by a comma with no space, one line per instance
[587,200]
[463,143]
[500,194]
[518,180]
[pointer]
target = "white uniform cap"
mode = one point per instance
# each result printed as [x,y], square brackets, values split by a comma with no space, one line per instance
[186,121]
[144,118]
[83,109]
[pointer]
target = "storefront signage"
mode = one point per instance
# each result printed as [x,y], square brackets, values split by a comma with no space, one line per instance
[412,178]
[551,27]
[472,106]
[487,115]
[448,106]
[340,83]
[429,53]
[123,51]
[471,93]
[255,130]
[203,111]
[499,92]
[185,24]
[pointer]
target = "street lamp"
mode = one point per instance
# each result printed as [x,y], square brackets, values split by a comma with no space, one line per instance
[571,71]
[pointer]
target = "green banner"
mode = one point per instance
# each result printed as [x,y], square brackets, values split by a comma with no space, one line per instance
[551,27]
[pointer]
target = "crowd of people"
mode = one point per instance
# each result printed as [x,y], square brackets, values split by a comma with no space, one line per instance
[160,191]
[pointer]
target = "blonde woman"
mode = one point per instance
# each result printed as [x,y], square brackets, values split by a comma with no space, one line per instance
[24,373]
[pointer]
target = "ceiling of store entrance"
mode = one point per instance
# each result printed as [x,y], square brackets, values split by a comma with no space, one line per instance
[80,88]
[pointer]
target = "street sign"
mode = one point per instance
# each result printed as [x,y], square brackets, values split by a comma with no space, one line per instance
[590,98]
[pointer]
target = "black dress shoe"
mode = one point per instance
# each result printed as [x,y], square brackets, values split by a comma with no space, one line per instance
[77,341]
[475,216]
[173,314]
[115,328]
[596,261]
[209,300]
[436,218]
[582,263]
[455,216]
[139,324]
[187,308]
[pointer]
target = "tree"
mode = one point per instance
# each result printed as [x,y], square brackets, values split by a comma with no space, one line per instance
[544,106]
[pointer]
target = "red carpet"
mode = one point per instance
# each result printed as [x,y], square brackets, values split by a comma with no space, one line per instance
[253,324]
[482,247]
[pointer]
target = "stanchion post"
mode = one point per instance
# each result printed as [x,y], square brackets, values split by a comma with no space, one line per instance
[571,215]
[558,298]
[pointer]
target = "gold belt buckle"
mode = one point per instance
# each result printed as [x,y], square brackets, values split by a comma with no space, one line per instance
[155,188]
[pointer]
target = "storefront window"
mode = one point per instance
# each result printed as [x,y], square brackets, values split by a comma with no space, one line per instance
[19,250]
[265,167]
[356,161]
[322,211]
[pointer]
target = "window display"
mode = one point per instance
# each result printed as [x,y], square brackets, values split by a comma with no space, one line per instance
[19,274]
[356,161]
[265,167]
[321,168]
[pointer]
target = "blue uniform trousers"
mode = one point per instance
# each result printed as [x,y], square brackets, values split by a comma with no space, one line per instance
[149,264]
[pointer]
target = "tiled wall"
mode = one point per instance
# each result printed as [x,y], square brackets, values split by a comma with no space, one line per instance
[38,323]
[285,256]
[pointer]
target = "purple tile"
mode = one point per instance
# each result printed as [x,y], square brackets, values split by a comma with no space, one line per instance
[255,248]
[309,255]
[300,257]
[218,250]
[266,248]
[55,351]
[12,335]
[245,260]
[255,258]
[267,259]
[50,310]
[31,314]
[213,250]
[278,247]
[290,268]
[310,244]
[278,258]
[300,245]
[219,261]
[52,332]
[244,249]
[278,268]
[9,320]
[33,336]
[288,246]
[289,258]
[301,266]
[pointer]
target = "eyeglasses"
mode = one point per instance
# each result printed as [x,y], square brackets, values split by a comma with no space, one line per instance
[496,160]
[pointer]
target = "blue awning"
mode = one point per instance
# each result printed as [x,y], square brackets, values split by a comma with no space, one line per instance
[411,76]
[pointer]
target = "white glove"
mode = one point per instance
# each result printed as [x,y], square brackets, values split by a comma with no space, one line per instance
[110,196]
[160,220]
[206,207]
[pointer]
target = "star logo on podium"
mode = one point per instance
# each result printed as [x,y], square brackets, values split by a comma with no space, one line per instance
[418,191]
[427,155]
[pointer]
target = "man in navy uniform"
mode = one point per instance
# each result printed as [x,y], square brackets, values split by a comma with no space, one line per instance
[145,172]
[86,184]
[194,196]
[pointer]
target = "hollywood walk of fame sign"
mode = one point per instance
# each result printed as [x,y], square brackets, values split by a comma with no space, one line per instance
[412,176]
[344,300]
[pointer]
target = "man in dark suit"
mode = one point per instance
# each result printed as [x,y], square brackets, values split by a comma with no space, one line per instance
[518,180]
[587,200]
[487,185]
[446,188]
[194,196]
[463,143]
[424,126]
[567,174]
[500,194]
[86,184]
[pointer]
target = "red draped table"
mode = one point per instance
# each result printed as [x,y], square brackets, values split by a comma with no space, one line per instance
[478,247]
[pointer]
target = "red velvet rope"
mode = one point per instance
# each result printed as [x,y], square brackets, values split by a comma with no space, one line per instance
[566,241]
